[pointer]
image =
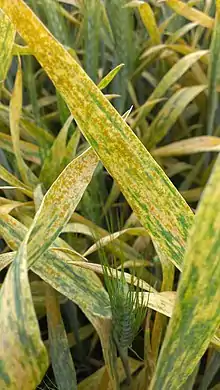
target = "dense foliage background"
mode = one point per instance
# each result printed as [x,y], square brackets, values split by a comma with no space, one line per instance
[98,236]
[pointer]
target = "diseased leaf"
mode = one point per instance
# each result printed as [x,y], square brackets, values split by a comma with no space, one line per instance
[59,203]
[20,340]
[81,286]
[167,217]
[196,313]
[13,232]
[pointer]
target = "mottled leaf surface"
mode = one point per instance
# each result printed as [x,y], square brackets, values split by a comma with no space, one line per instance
[196,315]
[59,203]
[81,286]
[23,357]
[159,206]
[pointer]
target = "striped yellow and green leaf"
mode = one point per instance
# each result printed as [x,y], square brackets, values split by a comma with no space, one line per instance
[157,203]
[23,356]
[56,208]
[196,313]
[81,286]
[59,203]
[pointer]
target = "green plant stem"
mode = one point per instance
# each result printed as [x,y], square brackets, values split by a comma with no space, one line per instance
[123,352]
